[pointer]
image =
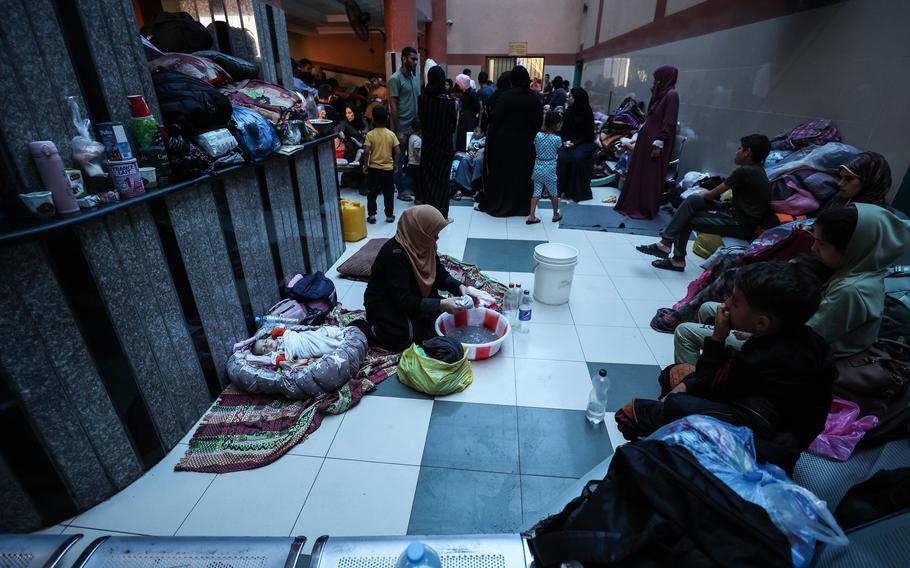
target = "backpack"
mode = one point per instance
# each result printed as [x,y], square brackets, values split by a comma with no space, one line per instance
[315,292]
[277,104]
[255,135]
[290,309]
[815,133]
[178,32]
[192,104]
[238,68]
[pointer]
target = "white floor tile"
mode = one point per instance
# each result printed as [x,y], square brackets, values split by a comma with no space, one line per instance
[678,288]
[631,288]
[593,289]
[353,297]
[352,498]
[661,345]
[636,268]
[384,429]
[484,231]
[605,311]
[552,384]
[548,341]
[544,313]
[643,310]
[501,277]
[494,383]
[259,502]
[615,345]
[616,439]
[319,442]
[155,504]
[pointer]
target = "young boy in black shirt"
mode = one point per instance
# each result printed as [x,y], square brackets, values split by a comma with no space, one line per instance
[705,213]
[779,384]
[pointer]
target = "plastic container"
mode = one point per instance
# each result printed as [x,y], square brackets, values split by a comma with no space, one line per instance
[275,320]
[53,175]
[554,269]
[524,312]
[353,220]
[494,321]
[597,401]
[418,555]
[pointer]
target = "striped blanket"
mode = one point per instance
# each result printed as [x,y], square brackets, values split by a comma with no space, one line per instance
[244,431]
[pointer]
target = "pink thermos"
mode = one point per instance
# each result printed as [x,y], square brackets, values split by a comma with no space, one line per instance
[50,167]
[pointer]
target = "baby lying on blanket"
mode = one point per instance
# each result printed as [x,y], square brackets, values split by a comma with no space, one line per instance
[287,347]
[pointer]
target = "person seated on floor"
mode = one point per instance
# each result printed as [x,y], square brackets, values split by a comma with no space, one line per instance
[857,242]
[402,299]
[704,212]
[470,166]
[865,178]
[779,384]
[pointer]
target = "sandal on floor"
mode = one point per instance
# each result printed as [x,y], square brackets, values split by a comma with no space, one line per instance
[371,219]
[653,250]
[557,218]
[534,222]
[664,321]
[667,264]
[457,196]
[390,219]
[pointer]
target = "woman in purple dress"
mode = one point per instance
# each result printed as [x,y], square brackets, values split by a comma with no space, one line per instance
[640,198]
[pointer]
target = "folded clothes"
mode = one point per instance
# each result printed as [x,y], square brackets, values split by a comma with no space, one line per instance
[443,349]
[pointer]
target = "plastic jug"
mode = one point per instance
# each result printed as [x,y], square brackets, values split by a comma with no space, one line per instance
[353,220]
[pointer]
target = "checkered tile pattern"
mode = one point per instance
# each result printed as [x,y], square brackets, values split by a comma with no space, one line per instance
[490,459]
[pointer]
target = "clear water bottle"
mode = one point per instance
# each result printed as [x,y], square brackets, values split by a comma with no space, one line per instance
[513,298]
[524,312]
[275,320]
[416,555]
[597,402]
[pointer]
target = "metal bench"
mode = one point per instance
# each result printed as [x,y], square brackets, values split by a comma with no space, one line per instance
[193,552]
[34,550]
[461,551]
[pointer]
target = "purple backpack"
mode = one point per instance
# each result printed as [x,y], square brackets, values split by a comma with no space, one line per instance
[815,133]
[290,309]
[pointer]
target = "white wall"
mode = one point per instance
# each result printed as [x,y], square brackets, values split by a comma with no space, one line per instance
[487,26]
[849,62]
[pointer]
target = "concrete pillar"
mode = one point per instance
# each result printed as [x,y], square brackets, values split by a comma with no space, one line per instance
[437,33]
[400,24]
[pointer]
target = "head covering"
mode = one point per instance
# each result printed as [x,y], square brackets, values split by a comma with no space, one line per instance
[418,228]
[874,174]
[436,82]
[520,77]
[664,82]
[428,64]
[505,81]
[581,102]
[578,124]
[463,82]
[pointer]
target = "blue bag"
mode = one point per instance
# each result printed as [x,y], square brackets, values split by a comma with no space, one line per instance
[254,133]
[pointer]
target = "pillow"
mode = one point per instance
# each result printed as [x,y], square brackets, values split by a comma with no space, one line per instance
[192,65]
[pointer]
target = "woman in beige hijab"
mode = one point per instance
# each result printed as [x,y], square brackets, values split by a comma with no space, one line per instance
[402,297]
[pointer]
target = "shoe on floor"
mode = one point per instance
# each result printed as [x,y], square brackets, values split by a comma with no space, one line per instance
[667,264]
[406,197]
[652,250]
[371,219]
[390,219]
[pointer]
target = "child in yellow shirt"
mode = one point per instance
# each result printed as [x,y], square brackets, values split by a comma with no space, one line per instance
[380,162]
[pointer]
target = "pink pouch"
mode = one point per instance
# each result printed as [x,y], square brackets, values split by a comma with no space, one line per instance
[842,430]
[799,203]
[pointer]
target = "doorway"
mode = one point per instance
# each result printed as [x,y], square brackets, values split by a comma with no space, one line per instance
[497,65]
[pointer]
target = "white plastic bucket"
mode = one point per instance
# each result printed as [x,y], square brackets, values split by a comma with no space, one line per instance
[554,268]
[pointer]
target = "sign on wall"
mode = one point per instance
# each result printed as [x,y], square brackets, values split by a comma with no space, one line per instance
[518,48]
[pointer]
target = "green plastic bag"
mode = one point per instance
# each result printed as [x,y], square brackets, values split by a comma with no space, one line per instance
[431,376]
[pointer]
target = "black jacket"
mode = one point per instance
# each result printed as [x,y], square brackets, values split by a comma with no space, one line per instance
[395,308]
[793,370]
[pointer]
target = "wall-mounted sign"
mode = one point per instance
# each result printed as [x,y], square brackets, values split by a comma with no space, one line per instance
[518,49]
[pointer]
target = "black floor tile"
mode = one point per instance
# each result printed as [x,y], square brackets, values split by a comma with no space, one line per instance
[453,501]
[501,255]
[480,437]
[392,387]
[559,443]
[628,382]
[538,496]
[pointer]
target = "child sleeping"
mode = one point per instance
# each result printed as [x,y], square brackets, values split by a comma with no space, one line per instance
[287,348]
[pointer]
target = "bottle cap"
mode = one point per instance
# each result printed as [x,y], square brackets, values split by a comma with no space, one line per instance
[511,284]
[138,107]
[415,551]
[602,372]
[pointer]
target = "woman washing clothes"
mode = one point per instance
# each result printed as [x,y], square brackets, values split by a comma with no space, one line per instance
[640,197]
[576,161]
[402,298]
[437,115]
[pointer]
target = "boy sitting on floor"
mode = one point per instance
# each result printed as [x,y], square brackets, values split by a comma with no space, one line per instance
[779,384]
[704,213]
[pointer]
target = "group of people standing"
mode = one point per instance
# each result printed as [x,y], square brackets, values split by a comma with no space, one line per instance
[518,160]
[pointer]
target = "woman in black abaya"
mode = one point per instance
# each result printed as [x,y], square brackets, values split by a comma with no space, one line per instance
[510,149]
[437,114]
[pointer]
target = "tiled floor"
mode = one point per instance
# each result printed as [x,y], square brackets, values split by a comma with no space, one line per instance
[489,459]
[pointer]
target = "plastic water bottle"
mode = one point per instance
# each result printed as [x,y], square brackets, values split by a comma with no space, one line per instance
[510,306]
[597,402]
[275,320]
[417,554]
[524,312]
